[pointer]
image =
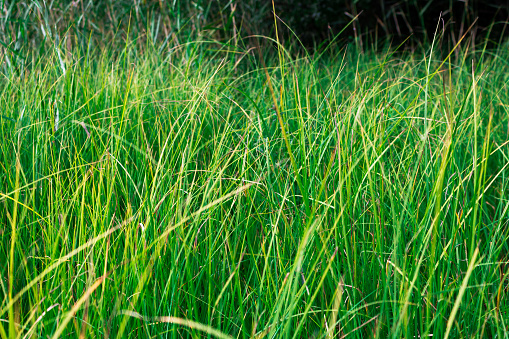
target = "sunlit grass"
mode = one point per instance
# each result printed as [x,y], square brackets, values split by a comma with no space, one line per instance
[199,193]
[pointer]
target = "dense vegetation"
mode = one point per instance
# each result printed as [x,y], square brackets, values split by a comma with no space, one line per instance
[194,187]
[36,23]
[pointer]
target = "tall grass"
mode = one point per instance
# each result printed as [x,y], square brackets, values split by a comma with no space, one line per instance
[197,192]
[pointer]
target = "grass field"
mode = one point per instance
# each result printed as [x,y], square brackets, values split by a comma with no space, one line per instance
[202,192]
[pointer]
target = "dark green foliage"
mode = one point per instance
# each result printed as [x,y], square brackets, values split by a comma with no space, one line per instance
[29,24]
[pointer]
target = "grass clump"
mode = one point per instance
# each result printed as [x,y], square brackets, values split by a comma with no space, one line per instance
[201,193]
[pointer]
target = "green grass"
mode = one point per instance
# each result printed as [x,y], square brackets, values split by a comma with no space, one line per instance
[200,193]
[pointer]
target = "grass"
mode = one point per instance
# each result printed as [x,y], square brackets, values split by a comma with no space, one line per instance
[205,193]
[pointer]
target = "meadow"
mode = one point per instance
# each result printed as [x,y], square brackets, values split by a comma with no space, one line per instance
[208,190]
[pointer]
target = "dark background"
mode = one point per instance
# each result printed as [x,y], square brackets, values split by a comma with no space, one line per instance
[316,21]
[28,25]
